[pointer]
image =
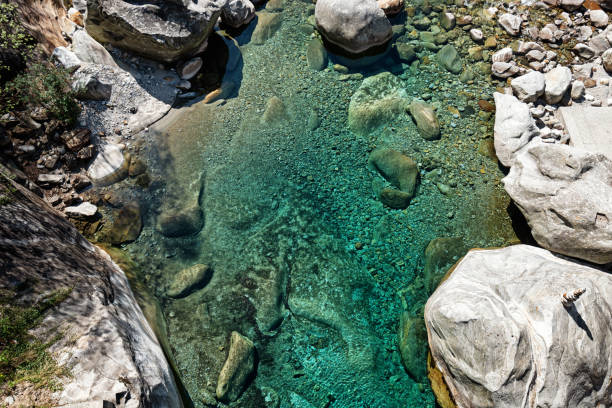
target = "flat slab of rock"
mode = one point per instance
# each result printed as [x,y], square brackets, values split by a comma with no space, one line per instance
[237,369]
[589,128]
[566,196]
[502,338]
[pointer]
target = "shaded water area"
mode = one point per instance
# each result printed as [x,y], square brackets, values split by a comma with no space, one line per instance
[306,261]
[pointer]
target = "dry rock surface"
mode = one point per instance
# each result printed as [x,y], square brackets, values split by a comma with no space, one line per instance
[500,334]
[107,345]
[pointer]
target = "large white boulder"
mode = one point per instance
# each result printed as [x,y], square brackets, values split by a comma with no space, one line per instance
[529,87]
[566,196]
[514,127]
[353,25]
[557,83]
[501,336]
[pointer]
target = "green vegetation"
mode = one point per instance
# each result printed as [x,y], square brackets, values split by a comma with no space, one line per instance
[40,84]
[24,358]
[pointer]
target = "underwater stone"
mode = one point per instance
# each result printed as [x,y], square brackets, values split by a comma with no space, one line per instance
[275,112]
[316,54]
[126,225]
[177,223]
[399,169]
[267,25]
[426,119]
[190,68]
[237,369]
[379,99]
[497,326]
[412,344]
[189,280]
[395,198]
[353,25]
[406,52]
[566,196]
[449,58]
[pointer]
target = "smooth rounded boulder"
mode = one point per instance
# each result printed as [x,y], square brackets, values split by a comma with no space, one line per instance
[509,328]
[353,25]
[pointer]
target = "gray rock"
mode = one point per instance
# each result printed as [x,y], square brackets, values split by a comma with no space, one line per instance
[449,58]
[237,369]
[316,55]
[426,119]
[514,127]
[190,68]
[566,197]
[50,179]
[577,92]
[90,87]
[447,20]
[406,52]
[503,55]
[497,327]
[584,51]
[89,50]
[599,44]
[162,31]
[236,13]
[557,82]
[66,58]
[85,209]
[353,25]
[180,222]
[570,5]
[504,69]
[606,60]
[188,280]
[511,23]
[109,166]
[528,87]
[379,99]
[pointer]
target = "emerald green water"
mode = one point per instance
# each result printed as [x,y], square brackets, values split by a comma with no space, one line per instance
[307,261]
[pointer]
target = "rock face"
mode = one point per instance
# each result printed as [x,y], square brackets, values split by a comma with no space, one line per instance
[426,119]
[353,25]
[514,127]
[159,30]
[501,336]
[379,99]
[107,345]
[566,195]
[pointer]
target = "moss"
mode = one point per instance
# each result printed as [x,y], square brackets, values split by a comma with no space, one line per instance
[24,358]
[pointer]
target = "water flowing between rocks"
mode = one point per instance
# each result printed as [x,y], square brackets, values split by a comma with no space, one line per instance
[301,255]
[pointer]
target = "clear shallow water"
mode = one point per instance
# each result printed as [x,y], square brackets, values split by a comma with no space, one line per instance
[307,262]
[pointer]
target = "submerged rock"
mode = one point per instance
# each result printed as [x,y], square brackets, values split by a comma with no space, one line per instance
[440,255]
[498,326]
[189,280]
[379,99]
[399,170]
[177,223]
[566,196]
[449,58]
[353,25]
[237,369]
[275,112]
[514,127]
[267,25]
[316,55]
[162,31]
[412,344]
[426,119]
[126,225]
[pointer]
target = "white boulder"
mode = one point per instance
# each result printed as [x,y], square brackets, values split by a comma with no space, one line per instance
[528,87]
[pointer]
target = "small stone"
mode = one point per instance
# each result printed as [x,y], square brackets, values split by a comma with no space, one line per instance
[394,198]
[426,119]
[606,59]
[557,82]
[511,23]
[476,35]
[529,87]
[450,59]
[578,90]
[490,42]
[189,280]
[503,55]
[190,68]
[447,20]
[85,209]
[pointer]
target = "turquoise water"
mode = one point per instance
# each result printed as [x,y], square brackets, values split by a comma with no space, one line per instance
[306,260]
